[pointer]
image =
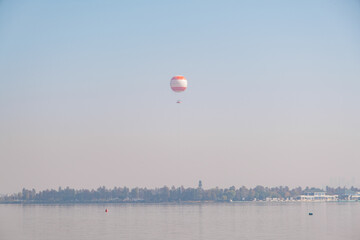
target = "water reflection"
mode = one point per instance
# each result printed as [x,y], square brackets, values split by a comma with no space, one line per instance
[208,221]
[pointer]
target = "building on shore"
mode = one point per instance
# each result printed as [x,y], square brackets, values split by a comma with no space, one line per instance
[318,197]
[352,195]
[355,197]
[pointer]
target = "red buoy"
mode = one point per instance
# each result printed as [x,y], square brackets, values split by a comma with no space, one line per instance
[106,210]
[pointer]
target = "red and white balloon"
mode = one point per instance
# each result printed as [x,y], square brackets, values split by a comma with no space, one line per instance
[178,83]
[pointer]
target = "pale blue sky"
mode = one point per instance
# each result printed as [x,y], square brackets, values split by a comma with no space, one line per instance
[273,95]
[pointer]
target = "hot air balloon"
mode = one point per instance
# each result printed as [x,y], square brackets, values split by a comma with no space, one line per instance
[178,84]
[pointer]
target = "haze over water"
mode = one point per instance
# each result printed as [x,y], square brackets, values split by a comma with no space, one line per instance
[251,220]
[273,99]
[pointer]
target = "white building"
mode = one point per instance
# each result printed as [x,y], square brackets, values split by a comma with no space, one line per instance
[352,196]
[318,197]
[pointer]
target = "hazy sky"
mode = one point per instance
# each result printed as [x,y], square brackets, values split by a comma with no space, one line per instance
[272,99]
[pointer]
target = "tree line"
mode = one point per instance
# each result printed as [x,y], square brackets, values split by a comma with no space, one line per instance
[166,194]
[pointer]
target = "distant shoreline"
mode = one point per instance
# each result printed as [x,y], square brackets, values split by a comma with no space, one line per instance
[162,203]
[174,194]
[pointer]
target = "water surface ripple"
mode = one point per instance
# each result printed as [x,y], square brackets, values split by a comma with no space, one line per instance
[243,220]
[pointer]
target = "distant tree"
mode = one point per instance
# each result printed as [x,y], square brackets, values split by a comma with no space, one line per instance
[134,193]
[230,193]
[164,194]
[243,194]
[259,193]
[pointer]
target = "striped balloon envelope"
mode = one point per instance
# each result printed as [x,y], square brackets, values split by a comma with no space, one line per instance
[178,83]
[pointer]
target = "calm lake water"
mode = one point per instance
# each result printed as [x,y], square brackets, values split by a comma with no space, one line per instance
[247,220]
